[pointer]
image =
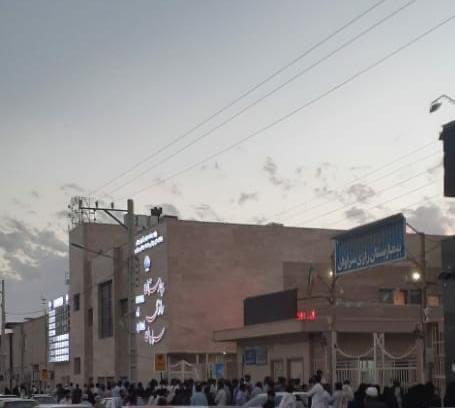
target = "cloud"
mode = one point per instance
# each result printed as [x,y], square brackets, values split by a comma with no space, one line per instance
[357,214]
[259,220]
[205,213]
[434,169]
[176,190]
[34,194]
[63,214]
[170,209]
[68,187]
[271,169]
[26,249]
[360,192]
[431,219]
[244,197]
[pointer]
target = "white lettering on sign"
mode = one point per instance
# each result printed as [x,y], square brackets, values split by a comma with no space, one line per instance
[151,338]
[159,311]
[140,326]
[148,241]
[140,299]
[150,288]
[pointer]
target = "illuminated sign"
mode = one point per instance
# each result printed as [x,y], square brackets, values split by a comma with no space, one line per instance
[159,311]
[304,315]
[154,288]
[148,241]
[151,338]
[147,263]
[150,288]
[58,330]
[140,326]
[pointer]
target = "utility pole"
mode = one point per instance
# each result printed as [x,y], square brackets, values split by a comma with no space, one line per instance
[131,229]
[131,291]
[3,344]
[423,270]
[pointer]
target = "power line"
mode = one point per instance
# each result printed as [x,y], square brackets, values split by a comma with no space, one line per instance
[384,176]
[246,93]
[375,194]
[260,99]
[359,178]
[396,198]
[304,106]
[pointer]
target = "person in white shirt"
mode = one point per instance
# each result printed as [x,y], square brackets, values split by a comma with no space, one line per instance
[288,400]
[317,393]
[220,398]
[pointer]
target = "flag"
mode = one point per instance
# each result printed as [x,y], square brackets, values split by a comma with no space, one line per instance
[311,272]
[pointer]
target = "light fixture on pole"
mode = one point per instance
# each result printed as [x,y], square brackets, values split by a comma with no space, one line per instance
[416,276]
[436,104]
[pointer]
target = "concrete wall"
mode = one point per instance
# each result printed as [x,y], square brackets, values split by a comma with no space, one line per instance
[282,349]
[26,352]
[213,267]
[94,237]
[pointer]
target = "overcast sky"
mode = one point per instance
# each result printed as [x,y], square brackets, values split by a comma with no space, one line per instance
[88,89]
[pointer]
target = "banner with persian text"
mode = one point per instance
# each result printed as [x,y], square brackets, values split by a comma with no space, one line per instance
[371,245]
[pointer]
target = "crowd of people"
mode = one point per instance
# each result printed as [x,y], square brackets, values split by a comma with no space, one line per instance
[282,394]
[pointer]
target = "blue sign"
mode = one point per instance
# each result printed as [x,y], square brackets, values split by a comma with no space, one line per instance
[218,370]
[249,356]
[371,245]
[255,356]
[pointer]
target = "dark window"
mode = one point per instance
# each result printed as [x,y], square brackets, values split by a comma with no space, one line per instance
[77,365]
[90,317]
[76,302]
[415,297]
[123,307]
[386,295]
[105,309]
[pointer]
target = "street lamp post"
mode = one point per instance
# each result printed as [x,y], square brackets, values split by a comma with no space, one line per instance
[436,104]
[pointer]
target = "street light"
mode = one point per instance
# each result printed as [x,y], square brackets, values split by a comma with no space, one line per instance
[416,276]
[436,104]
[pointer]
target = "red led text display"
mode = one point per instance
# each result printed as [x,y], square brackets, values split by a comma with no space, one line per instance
[304,315]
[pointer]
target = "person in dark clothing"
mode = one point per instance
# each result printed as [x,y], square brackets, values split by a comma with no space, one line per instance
[210,397]
[449,398]
[359,397]
[76,395]
[270,403]
[388,397]
[372,398]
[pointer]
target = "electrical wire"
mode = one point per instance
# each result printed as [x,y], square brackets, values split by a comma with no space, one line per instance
[396,198]
[362,177]
[304,106]
[245,94]
[366,198]
[346,189]
[273,91]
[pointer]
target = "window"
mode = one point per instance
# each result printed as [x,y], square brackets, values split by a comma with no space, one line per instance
[90,317]
[76,302]
[433,300]
[386,295]
[105,309]
[77,365]
[415,297]
[400,297]
[123,307]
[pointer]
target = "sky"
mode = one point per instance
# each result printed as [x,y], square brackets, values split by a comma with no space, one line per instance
[92,89]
